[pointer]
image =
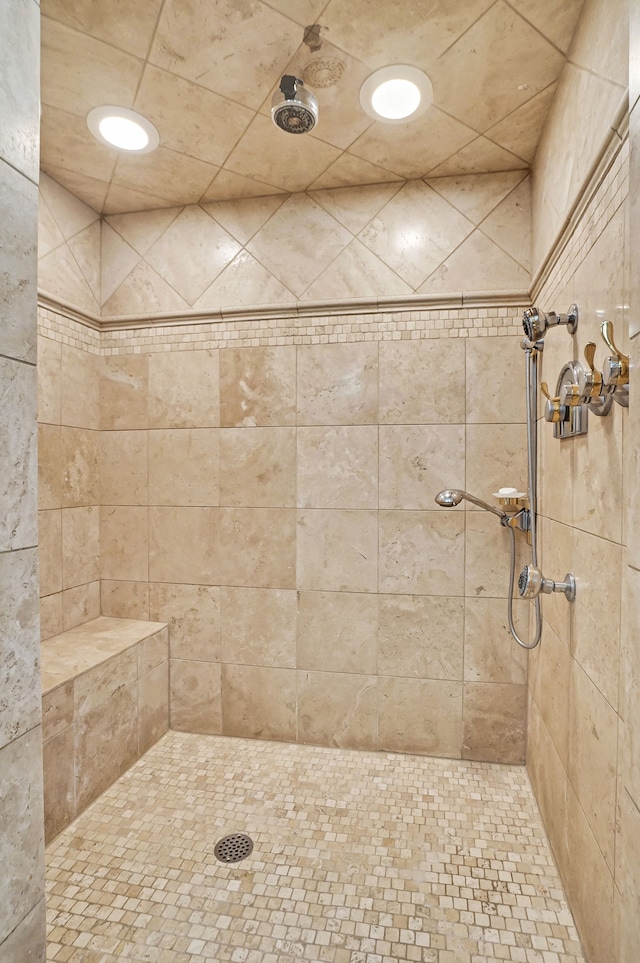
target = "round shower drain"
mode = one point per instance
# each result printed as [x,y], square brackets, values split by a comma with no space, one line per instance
[233,848]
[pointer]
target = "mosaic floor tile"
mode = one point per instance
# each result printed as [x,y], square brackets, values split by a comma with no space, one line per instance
[358,858]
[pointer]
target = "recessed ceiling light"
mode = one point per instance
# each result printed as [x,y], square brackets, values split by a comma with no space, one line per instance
[396,93]
[123,128]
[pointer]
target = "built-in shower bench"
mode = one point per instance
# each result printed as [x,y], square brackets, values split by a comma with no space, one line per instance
[105,701]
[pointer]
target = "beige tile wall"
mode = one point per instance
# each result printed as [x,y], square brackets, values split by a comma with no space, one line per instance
[68,480]
[22,909]
[314,590]
[583,679]
[234,463]
[592,87]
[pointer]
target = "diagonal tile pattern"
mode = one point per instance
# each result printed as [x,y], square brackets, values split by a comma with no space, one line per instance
[204,72]
[358,858]
[451,235]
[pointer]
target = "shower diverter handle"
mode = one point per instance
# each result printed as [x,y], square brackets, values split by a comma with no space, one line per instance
[588,388]
[553,410]
[615,370]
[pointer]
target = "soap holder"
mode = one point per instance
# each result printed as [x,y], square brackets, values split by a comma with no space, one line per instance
[511,499]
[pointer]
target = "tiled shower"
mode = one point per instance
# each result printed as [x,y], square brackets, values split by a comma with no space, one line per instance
[301,559]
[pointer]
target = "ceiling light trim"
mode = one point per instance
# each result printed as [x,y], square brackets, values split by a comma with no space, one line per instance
[97,115]
[399,72]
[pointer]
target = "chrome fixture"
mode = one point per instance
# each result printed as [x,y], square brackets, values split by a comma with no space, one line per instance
[566,410]
[583,389]
[453,496]
[293,108]
[531,582]
[518,517]
[615,370]
[536,322]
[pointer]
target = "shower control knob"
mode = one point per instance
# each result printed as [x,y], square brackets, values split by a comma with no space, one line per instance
[571,395]
[554,411]
[615,370]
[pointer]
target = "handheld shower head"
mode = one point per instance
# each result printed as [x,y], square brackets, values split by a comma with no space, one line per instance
[536,322]
[453,496]
[449,497]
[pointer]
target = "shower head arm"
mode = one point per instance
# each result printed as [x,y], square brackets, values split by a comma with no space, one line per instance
[485,505]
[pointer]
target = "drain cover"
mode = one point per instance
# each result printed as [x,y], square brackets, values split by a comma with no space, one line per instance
[231,849]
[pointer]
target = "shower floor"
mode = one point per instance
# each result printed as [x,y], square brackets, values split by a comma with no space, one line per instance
[358,857]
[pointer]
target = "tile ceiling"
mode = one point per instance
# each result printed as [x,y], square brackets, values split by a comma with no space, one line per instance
[204,72]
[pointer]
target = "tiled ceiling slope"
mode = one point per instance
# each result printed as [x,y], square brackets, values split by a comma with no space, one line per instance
[204,72]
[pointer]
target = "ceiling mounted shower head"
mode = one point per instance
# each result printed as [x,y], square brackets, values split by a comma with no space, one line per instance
[294,109]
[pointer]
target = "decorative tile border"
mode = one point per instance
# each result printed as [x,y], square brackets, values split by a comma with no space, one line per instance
[57,325]
[332,328]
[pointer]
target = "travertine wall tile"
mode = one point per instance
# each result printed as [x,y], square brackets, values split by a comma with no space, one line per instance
[124,467]
[18,207]
[337,709]
[420,637]
[124,543]
[50,552]
[258,547]
[593,758]
[337,632]
[258,387]
[184,545]
[416,380]
[58,765]
[124,382]
[193,614]
[21,824]
[411,469]
[258,467]
[337,550]
[80,392]
[183,467]
[79,454]
[293,422]
[19,644]
[258,626]
[153,699]
[183,390]
[419,715]
[125,600]
[194,695]
[49,380]
[81,531]
[421,553]
[494,722]
[490,654]
[259,702]
[80,604]
[337,467]
[338,385]
[106,744]
[18,456]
